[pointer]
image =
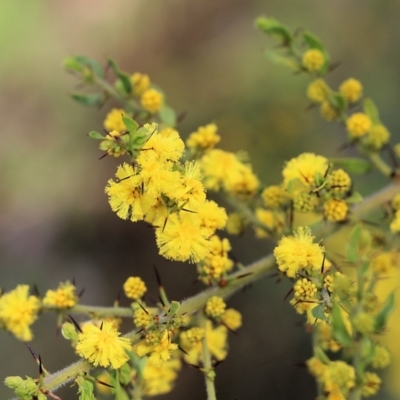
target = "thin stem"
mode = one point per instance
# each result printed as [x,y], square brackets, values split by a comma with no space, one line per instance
[380,164]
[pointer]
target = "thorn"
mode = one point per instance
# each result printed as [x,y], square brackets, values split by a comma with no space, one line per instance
[75,323]
[165,224]
[244,275]
[161,301]
[181,117]
[139,331]
[40,366]
[229,329]
[73,281]
[334,65]
[288,294]
[34,355]
[323,264]
[216,363]
[80,294]
[101,325]
[104,383]
[35,290]
[118,298]
[142,307]
[104,155]
[157,276]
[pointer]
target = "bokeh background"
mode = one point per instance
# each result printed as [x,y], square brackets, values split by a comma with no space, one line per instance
[55,221]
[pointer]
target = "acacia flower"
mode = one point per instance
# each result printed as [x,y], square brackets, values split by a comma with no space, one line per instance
[351,89]
[317,91]
[134,288]
[313,60]
[358,124]
[62,298]
[335,210]
[377,137]
[152,100]
[113,121]
[18,311]
[140,83]
[215,306]
[205,138]
[232,319]
[102,345]
[298,252]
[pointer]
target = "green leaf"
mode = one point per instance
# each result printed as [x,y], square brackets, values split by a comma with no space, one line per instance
[130,124]
[124,375]
[319,312]
[86,390]
[339,330]
[355,198]
[282,60]
[90,100]
[92,64]
[338,101]
[372,111]
[167,116]
[96,135]
[321,355]
[122,76]
[383,315]
[352,164]
[312,41]
[353,244]
[272,27]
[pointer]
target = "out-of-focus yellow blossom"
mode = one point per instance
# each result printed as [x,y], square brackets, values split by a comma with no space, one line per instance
[215,306]
[382,357]
[193,335]
[335,210]
[317,91]
[216,342]
[140,83]
[358,125]
[298,252]
[205,138]
[62,298]
[305,202]
[371,385]
[273,221]
[235,224]
[275,196]
[18,311]
[134,288]
[316,367]
[351,89]
[340,375]
[232,319]
[102,345]
[377,137]
[339,182]
[325,337]
[396,202]
[304,167]
[385,263]
[211,216]
[364,322]
[395,224]
[113,121]
[152,100]
[223,170]
[313,60]
[327,111]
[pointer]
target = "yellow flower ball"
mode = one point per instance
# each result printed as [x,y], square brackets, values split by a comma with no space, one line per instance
[313,60]
[358,125]
[351,89]
[152,100]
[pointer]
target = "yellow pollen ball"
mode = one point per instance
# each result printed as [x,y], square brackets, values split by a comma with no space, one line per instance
[152,100]
[327,111]
[215,307]
[317,91]
[140,83]
[335,210]
[358,125]
[134,288]
[351,89]
[313,60]
[113,121]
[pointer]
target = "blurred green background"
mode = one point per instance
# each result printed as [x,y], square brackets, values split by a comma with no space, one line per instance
[55,221]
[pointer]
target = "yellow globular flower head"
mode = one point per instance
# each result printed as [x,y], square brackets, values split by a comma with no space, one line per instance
[272,220]
[313,60]
[126,196]
[159,378]
[358,125]
[381,358]
[385,263]
[395,224]
[364,322]
[102,346]
[325,338]
[316,367]
[205,138]
[152,100]
[298,252]
[351,89]
[141,318]
[339,182]
[216,339]
[134,288]
[193,336]
[335,210]
[305,202]
[339,374]
[395,203]
[183,238]
[371,385]
[275,196]
[211,216]
[232,319]
[317,91]
[304,289]
[327,111]
[304,167]
[62,298]
[377,137]
[140,83]
[113,121]
[215,306]
[18,311]
[235,224]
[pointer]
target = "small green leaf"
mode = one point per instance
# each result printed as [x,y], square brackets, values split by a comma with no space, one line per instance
[272,27]
[90,100]
[312,41]
[319,312]
[282,60]
[95,135]
[92,64]
[355,198]
[122,76]
[372,111]
[130,124]
[167,116]
[124,375]
[383,315]
[339,330]
[86,390]
[353,244]
[338,101]
[352,164]
[321,355]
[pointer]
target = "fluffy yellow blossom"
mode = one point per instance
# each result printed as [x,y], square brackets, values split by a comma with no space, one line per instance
[205,138]
[215,306]
[371,385]
[385,263]
[64,297]
[275,196]
[339,182]
[335,210]
[183,238]
[358,125]
[113,121]
[327,111]
[313,60]
[102,346]
[140,83]
[396,202]
[305,167]
[316,367]
[377,137]
[18,311]
[134,288]
[317,91]
[339,375]
[351,89]
[298,252]
[141,318]
[235,224]
[216,342]
[272,220]
[152,100]
[232,319]
[364,322]
[381,358]
[212,216]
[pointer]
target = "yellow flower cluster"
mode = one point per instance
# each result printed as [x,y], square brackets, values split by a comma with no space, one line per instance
[335,210]
[317,91]
[351,89]
[358,125]
[62,298]
[152,100]
[205,138]
[215,306]
[140,83]
[134,288]
[113,121]
[313,60]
